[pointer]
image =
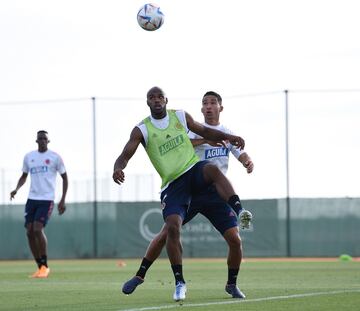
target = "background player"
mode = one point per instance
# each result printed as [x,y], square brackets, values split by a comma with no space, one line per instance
[43,165]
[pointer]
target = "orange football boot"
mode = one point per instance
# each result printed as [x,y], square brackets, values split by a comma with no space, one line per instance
[43,272]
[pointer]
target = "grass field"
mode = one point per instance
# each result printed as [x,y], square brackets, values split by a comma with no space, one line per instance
[95,285]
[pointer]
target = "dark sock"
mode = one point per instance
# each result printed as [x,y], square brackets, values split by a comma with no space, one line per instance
[38,262]
[178,273]
[232,276]
[234,202]
[144,266]
[43,261]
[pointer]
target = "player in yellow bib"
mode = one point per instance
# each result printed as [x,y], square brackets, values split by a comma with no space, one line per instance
[169,149]
[164,136]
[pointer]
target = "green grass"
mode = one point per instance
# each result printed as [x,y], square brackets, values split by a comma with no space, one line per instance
[95,285]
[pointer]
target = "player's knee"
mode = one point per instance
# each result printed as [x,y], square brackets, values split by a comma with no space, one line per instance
[233,239]
[234,243]
[173,231]
[37,229]
[173,226]
[29,233]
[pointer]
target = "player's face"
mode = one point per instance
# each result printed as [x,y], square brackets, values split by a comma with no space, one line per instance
[157,101]
[211,109]
[42,140]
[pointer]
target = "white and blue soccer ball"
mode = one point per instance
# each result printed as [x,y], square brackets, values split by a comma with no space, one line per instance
[150,17]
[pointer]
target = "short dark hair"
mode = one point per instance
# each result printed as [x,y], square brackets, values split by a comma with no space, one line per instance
[214,94]
[42,132]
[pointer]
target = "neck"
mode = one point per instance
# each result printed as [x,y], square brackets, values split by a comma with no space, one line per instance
[212,121]
[159,116]
[42,150]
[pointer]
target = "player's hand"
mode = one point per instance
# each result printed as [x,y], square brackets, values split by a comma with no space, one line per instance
[249,165]
[237,141]
[12,194]
[61,207]
[119,176]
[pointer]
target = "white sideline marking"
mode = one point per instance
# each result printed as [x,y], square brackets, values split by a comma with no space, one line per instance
[175,305]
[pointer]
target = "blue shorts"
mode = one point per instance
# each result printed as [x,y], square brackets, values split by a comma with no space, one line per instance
[176,198]
[38,210]
[214,208]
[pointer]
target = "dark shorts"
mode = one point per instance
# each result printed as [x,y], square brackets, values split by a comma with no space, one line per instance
[175,199]
[38,210]
[214,208]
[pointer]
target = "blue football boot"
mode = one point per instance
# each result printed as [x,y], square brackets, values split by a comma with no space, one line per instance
[131,285]
[234,291]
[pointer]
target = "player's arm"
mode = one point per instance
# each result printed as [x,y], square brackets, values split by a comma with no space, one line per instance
[127,153]
[212,134]
[201,141]
[246,162]
[65,185]
[20,183]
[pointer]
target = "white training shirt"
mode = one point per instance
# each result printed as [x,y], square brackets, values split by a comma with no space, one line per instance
[217,155]
[42,167]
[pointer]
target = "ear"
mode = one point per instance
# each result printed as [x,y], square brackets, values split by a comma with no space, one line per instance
[202,109]
[221,108]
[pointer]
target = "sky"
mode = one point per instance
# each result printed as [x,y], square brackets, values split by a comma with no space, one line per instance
[56,55]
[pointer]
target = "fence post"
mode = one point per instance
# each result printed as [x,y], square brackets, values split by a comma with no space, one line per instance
[95,234]
[288,224]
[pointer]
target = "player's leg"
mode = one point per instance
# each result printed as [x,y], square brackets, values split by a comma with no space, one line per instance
[30,208]
[175,199]
[33,247]
[224,219]
[32,242]
[234,259]
[213,175]
[42,215]
[174,250]
[41,242]
[233,240]
[152,253]
[173,245]
[156,246]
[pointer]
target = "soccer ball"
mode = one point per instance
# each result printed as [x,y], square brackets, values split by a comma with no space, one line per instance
[150,17]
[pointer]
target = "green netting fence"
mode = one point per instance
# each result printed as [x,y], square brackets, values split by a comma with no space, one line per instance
[314,227]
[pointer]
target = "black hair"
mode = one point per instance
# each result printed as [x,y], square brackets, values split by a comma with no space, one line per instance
[42,132]
[214,94]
